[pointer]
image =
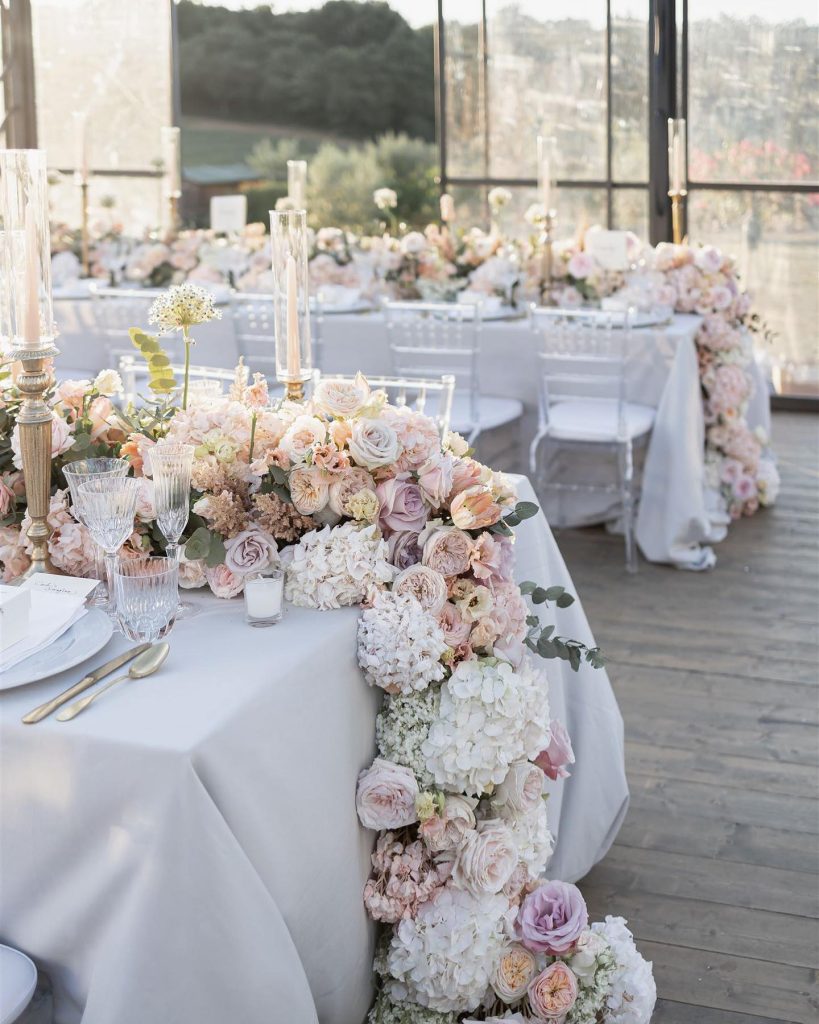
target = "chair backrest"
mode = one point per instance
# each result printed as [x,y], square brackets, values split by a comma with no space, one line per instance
[433,338]
[255,328]
[432,396]
[117,310]
[581,356]
[135,376]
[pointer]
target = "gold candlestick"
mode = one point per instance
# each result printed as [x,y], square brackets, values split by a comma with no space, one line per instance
[35,445]
[677,201]
[294,390]
[84,240]
[546,266]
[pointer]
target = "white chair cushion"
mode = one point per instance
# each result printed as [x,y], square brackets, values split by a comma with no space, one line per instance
[18,979]
[584,420]
[492,412]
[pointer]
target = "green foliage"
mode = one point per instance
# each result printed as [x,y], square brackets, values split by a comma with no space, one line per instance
[161,377]
[523,510]
[542,640]
[203,543]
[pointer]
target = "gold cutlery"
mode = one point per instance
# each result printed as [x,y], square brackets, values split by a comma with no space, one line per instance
[73,691]
[145,665]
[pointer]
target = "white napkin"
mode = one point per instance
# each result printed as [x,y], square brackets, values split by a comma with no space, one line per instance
[51,615]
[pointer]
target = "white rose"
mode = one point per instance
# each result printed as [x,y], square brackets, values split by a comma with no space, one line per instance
[386,796]
[191,572]
[374,443]
[304,433]
[108,383]
[309,490]
[146,506]
[342,398]
[453,442]
[520,792]
[486,858]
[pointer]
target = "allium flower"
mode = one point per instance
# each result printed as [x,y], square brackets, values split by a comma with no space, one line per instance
[400,644]
[514,970]
[405,877]
[491,715]
[445,956]
[633,992]
[335,567]
[386,795]
[402,726]
[183,305]
[385,198]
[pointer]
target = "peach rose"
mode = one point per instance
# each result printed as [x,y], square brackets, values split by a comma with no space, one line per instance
[553,992]
[345,485]
[513,972]
[309,490]
[474,509]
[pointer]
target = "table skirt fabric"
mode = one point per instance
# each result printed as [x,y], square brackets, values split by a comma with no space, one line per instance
[188,851]
[678,518]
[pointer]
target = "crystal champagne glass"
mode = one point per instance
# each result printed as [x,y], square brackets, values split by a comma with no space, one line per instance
[147,596]
[77,473]
[171,465]
[108,507]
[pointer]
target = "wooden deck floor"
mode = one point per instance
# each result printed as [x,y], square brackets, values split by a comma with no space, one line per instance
[717,864]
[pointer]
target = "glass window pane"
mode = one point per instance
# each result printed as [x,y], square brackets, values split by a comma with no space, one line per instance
[629,90]
[753,89]
[547,74]
[464,91]
[578,208]
[630,210]
[775,238]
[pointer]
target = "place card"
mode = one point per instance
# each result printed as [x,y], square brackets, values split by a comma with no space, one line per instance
[609,248]
[71,586]
[228,213]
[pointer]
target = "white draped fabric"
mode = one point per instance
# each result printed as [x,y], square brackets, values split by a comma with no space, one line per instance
[678,517]
[188,850]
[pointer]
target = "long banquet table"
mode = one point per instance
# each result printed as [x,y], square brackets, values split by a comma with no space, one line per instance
[678,517]
[188,850]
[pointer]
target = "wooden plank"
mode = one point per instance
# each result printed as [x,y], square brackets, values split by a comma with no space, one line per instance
[695,924]
[669,1012]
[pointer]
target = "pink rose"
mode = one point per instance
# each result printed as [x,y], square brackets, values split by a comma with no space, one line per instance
[223,582]
[402,506]
[580,265]
[61,439]
[552,918]
[448,550]
[522,789]
[456,630]
[7,499]
[553,992]
[446,831]
[249,551]
[558,754]
[386,796]
[486,858]
[435,478]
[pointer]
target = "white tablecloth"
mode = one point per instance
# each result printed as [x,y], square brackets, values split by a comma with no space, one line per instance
[187,851]
[676,520]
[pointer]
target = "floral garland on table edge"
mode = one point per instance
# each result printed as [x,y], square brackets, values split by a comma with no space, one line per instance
[365,504]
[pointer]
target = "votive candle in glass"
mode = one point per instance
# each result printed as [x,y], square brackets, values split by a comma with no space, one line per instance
[264,597]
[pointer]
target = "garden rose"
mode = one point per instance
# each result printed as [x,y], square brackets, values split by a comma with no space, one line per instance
[486,858]
[404,549]
[345,485]
[558,754]
[309,490]
[250,551]
[456,629]
[435,478]
[553,992]
[305,432]
[386,796]
[223,582]
[373,443]
[402,506]
[513,972]
[191,572]
[448,550]
[342,398]
[708,259]
[521,790]
[426,585]
[474,509]
[551,918]
[587,950]
[446,831]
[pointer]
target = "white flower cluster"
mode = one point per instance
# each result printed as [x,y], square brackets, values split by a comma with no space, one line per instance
[593,965]
[532,837]
[400,644]
[385,1011]
[444,957]
[339,566]
[632,992]
[490,715]
[401,728]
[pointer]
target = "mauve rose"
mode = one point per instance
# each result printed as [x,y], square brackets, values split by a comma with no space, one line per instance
[402,506]
[403,549]
[386,795]
[250,551]
[521,790]
[551,918]
[553,992]
[486,858]
[558,754]
[223,582]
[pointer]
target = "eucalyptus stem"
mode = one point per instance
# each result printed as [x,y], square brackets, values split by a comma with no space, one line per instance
[252,436]
[187,339]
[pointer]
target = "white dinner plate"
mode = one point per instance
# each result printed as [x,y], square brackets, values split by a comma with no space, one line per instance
[81,641]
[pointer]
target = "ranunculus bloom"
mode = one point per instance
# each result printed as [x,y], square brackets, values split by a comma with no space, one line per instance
[426,585]
[474,509]
[551,918]
[386,795]
[342,398]
[309,490]
[373,443]
[521,790]
[250,551]
[513,972]
[223,582]
[558,754]
[402,506]
[486,858]
[448,550]
[553,992]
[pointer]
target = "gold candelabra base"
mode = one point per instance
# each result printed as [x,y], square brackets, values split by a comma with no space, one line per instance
[294,390]
[34,420]
[677,210]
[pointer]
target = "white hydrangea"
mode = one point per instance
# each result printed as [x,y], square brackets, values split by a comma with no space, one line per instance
[339,566]
[385,1011]
[632,994]
[532,837]
[443,958]
[767,481]
[401,728]
[400,644]
[490,715]
[593,965]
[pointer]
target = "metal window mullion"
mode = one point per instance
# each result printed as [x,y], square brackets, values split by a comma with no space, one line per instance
[662,105]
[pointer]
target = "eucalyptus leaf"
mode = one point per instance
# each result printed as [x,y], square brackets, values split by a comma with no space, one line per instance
[564,601]
[526,509]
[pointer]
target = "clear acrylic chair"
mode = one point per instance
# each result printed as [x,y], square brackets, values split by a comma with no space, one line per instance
[254,327]
[432,396]
[116,311]
[432,338]
[582,360]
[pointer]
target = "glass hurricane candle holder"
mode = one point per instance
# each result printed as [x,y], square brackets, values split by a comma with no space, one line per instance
[291,300]
[297,183]
[264,597]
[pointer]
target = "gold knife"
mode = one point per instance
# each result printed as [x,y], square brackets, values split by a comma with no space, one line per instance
[93,677]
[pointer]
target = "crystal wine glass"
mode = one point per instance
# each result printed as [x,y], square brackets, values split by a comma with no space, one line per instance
[147,596]
[108,506]
[77,473]
[172,465]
